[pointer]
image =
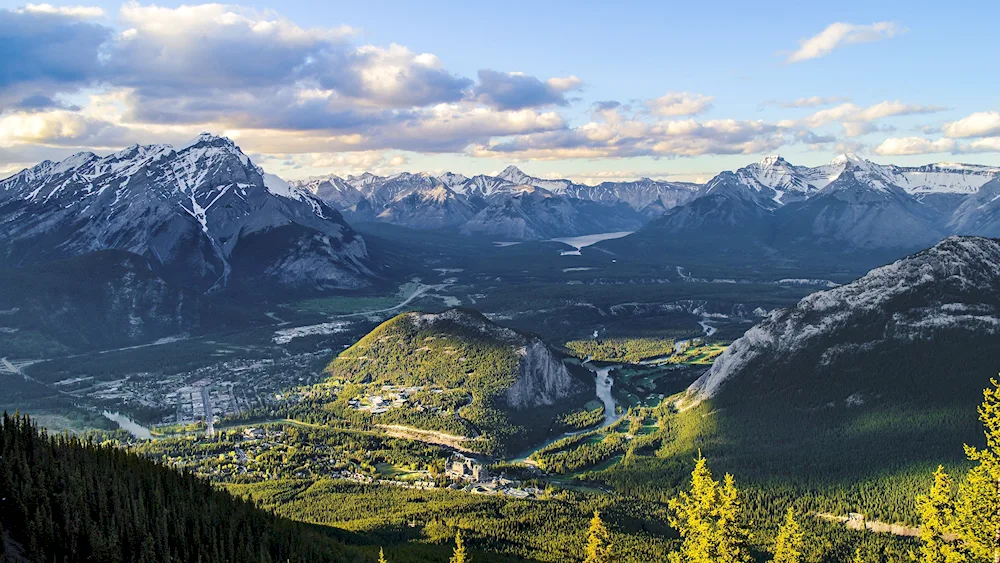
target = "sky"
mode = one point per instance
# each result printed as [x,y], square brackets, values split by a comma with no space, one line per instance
[590,91]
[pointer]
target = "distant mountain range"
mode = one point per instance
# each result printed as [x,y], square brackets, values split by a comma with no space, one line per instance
[511,205]
[206,216]
[850,201]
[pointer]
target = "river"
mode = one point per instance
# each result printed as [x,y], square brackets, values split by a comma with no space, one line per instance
[126,423]
[603,384]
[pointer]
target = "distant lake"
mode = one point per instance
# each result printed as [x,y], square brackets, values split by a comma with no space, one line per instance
[126,423]
[583,241]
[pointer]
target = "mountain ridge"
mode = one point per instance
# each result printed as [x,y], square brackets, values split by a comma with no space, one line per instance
[187,210]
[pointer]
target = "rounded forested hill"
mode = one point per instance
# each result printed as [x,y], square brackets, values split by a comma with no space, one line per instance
[503,386]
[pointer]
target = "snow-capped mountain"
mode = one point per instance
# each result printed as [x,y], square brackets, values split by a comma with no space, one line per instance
[436,208]
[979,213]
[776,179]
[920,305]
[202,214]
[849,204]
[770,185]
[859,211]
[494,206]
[532,213]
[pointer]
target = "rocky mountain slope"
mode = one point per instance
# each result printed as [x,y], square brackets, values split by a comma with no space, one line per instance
[930,300]
[531,213]
[202,214]
[873,382]
[99,300]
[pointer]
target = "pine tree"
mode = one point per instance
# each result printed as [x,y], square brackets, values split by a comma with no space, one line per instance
[598,541]
[858,558]
[977,511]
[693,516]
[788,546]
[381,556]
[709,519]
[459,555]
[937,511]
[732,536]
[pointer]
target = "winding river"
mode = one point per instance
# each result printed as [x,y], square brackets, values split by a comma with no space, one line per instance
[603,384]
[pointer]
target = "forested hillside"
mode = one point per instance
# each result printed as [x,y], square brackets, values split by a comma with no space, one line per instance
[62,499]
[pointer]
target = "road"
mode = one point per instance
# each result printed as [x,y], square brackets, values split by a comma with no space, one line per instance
[420,290]
[11,368]
[206,403]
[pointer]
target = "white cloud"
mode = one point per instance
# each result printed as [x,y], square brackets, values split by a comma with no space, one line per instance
[838,34]
[900,146]
[812,102]
[298,166]
[982,124]
[614,134]
[564,83]
[857,120]
[82,12]
[988,144]
[674,104]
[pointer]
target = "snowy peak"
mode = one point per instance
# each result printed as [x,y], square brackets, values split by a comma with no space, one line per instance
[514,175]
[771,161]
[207,139]
[848,159]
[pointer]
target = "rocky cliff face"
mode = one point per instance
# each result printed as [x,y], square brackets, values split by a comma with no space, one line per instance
[543,379]
[933,300]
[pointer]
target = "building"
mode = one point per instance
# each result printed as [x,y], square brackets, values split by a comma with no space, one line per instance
[467,469]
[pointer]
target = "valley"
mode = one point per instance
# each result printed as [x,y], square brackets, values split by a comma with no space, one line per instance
[499,381]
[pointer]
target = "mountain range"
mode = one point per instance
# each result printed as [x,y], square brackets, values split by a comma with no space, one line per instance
[204,215]
[511,205]
[850,202]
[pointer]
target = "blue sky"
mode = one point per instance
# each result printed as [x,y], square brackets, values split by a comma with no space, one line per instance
[697,87]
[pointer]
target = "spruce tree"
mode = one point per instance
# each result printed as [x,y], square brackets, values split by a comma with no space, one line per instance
[459,555]
[598,541]
[977,512]
[732,536]
[693,516]
[709,518]
[937,512]
[790,541]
